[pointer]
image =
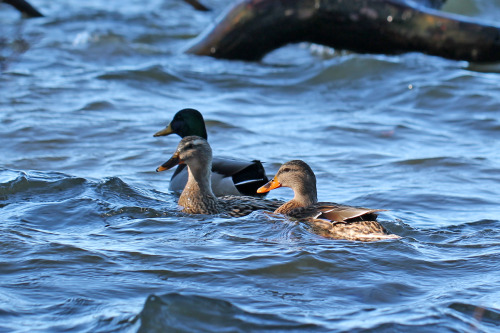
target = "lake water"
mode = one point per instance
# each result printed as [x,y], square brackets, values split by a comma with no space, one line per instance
[92,241]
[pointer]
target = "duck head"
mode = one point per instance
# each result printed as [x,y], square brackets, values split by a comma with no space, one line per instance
[186,122]
[193,151]
[298,176]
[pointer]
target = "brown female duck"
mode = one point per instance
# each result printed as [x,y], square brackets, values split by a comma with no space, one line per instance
[197,196]
[327,219]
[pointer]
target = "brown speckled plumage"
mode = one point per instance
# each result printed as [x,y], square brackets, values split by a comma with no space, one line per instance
[197,197]
[325,218]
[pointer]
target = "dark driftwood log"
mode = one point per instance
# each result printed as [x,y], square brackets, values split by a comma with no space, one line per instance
[252,28]
[198,5]
[24,7]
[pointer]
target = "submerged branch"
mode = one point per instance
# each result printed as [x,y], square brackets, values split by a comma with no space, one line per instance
[24,7]
[197,5]
[252,28]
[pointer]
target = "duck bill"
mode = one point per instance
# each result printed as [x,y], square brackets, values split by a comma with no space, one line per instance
[166,131]
[271,185]
[173,161]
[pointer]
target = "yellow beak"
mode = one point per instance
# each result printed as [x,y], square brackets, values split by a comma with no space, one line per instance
[166,131]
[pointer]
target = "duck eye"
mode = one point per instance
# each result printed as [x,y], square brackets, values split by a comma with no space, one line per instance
[286,169]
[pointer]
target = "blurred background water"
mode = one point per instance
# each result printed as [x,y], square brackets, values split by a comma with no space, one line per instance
[92,241]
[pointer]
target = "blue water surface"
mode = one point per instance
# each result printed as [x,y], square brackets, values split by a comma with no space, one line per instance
[92,241]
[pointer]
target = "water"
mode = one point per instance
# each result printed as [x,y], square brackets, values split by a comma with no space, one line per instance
[91,240]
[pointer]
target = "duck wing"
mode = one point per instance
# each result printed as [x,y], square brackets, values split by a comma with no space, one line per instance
[346,222]
[335,212]
[246,176]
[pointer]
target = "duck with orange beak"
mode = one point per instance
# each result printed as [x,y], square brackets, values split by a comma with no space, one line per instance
[328,219]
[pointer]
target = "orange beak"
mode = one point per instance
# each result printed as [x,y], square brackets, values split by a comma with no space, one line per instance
[271,185]
[173,161]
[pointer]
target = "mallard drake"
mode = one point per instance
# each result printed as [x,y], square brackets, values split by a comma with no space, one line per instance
[326,218]
[197,196]
[229,176]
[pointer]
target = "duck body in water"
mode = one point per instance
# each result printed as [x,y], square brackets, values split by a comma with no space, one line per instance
[229,176]
[197,196]
[327,219]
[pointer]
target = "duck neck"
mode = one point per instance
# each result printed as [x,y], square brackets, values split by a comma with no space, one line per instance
[303,197]
[306,193]
[197,197]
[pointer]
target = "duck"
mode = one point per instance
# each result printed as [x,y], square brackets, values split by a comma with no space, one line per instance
[197,196]
[229,176]
[327,219]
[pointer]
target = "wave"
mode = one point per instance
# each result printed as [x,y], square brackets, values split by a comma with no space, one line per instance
[54,200]
[193,313]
